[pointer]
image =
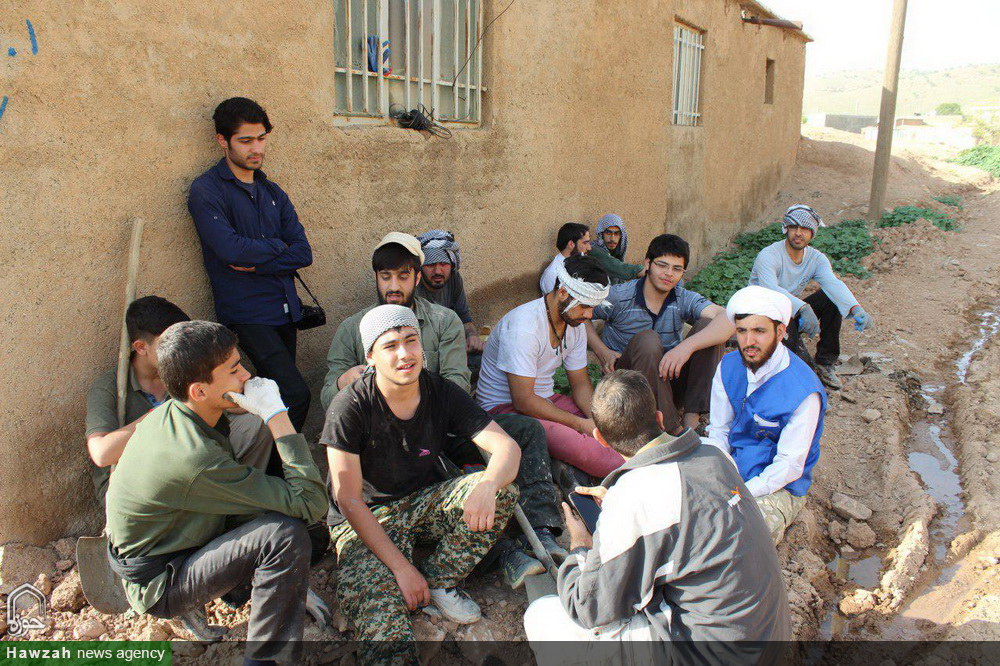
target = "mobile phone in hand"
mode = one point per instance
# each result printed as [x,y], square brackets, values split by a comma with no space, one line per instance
[588,508]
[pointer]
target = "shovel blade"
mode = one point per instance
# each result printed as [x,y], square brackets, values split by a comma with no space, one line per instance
[101,586]
[539,585]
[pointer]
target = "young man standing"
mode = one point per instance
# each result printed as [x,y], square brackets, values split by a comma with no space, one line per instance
[252,244]
[396,263]
[679,567]
[643,330]
[789,266]
[146,319]
[609,249]
[442,283]
[527,346]
[573,239]
[170,524]
[385,434]
[767,408]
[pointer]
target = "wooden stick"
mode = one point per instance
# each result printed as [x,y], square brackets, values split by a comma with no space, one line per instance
[124,346]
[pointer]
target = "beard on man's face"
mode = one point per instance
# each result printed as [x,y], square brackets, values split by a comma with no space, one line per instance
[564,315]
[760,355]
[395,298]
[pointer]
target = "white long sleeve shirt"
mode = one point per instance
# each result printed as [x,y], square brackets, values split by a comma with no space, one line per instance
[795,438]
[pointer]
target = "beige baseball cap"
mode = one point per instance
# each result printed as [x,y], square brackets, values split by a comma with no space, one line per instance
[406,240]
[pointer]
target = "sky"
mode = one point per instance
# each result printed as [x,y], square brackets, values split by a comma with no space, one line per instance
[854,34]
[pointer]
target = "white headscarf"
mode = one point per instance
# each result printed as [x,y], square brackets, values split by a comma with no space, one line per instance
[590,294]
[756,300]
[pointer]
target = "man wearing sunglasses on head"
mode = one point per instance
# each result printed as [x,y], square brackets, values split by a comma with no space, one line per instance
[644,331]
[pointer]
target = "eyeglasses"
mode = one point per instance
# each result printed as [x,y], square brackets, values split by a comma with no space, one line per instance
[670,268]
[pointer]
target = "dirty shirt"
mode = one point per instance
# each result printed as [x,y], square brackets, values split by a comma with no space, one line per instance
[399,457]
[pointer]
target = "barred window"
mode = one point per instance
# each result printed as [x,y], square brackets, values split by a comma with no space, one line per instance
[688,47]
[410,53]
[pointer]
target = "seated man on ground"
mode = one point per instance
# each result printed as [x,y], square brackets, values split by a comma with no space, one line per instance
[573,239]
[609,249]
[680,558]
[441,283]
[385,433]
[527,346]
[788,266]
[767,408]
[396,263]
[643,329]
[145,319]
[197,524]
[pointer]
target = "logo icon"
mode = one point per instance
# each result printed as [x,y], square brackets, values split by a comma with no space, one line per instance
[19,622]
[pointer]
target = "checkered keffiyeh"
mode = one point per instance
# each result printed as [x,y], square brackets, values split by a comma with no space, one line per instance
[384,318]
[801,215]
[439,246]
[612,220]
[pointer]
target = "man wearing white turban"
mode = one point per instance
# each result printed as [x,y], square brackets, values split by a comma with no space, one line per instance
[767,408]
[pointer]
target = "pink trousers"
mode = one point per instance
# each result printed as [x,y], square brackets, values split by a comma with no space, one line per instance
[566,444]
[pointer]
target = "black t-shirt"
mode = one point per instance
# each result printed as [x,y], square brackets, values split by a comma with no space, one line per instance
[401,457]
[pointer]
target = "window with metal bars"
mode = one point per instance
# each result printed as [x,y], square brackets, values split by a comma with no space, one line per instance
[409,52]
[688,47]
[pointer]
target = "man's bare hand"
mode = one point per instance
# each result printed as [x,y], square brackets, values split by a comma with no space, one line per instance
[586,427]
[350,375]
[673,362]
[607,359]
[244,269]
[474,344]
[597,492]
[414,587]
[481,506]
[579,537]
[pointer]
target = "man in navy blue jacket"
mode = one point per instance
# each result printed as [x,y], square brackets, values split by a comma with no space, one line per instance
[252,244]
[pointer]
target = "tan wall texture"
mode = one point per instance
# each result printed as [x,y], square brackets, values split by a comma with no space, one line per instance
[111,119]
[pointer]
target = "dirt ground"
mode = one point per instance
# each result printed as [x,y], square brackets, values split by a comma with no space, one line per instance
[920,558]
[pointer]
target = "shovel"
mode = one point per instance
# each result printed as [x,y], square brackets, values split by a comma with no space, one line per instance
[101,586]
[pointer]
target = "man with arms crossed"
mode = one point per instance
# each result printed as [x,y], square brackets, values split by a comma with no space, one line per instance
[767,408]
[643,330]
[385,434]
[573,239]
[788,266]
[441,283]
[197,524]
[527,346]
[680,559]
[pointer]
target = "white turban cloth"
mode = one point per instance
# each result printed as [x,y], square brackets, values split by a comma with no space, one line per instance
[586,293]
[756,300]
[384,318]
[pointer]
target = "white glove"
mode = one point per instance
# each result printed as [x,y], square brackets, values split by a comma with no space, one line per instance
[261,397]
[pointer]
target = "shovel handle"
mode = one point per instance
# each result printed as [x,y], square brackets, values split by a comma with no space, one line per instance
[124,346]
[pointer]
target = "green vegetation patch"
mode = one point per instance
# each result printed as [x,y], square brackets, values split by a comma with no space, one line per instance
[949,200]
[562,381]
[984,157]
[901,215]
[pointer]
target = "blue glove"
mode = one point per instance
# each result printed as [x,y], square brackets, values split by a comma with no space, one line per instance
[861,318]
[808,322]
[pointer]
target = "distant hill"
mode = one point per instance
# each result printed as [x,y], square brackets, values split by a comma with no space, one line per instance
[860,91]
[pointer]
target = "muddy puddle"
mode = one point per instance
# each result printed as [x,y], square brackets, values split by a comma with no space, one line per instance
[989,326]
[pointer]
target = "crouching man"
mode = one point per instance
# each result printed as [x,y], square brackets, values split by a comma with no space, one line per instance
[170,525]
[767,408]
[680,557]
[386,433]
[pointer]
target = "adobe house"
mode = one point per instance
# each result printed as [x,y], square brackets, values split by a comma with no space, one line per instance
[678,115]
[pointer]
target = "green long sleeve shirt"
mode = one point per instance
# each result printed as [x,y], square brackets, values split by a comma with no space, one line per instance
[441,335]
[177,483]
[616,269]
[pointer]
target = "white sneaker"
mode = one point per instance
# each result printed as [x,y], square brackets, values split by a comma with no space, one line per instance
[454,605]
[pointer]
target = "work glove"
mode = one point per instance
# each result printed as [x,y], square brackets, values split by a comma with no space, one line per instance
[808,322]
[862,319]
[261,397]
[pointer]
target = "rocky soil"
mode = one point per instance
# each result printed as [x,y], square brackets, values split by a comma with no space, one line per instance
[872,555]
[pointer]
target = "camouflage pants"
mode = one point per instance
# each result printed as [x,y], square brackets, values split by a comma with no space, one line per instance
[779,510]
[367,589]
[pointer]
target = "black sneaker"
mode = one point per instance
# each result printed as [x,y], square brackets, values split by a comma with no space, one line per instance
[548,539]
[828,375]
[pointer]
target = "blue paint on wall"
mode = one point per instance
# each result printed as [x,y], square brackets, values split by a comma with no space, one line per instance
[31,35]
[12,52]
[3,105]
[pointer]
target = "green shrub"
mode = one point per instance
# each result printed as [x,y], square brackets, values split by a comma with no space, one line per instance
[948,109]
[986,158]
[561,381]
[901,215]
[949,200]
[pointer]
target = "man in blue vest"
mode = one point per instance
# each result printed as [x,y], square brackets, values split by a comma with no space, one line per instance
[767,408]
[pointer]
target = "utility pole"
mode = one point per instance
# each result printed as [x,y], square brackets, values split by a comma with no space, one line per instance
[887,113]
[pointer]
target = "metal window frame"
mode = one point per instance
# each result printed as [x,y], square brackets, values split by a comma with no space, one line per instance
[376,112]
[689,46]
